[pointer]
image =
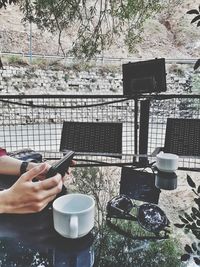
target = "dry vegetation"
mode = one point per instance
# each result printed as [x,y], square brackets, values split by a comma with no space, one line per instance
[168,35]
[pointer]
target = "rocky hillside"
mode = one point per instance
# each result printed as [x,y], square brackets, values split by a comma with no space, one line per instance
[169,34]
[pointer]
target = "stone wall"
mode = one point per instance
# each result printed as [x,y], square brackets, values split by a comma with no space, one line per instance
[32,81]
[26,80]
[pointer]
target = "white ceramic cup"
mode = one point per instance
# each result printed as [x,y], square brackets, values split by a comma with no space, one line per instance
[167,162]
[73,215]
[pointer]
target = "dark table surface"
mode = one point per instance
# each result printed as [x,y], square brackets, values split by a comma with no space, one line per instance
[30,240]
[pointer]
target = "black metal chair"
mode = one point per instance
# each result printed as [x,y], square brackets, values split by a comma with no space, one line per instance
[92,138]
[182,137]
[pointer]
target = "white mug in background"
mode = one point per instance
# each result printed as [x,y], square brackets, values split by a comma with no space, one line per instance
[73,215]
[167,162]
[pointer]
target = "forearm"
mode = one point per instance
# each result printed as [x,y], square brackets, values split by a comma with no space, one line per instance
[4,205]
[11,166]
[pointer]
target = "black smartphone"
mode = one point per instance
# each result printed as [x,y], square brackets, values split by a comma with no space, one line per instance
[62,165]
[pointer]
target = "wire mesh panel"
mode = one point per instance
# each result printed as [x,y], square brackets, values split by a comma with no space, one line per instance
[176,107]
[36,122]
[183,137]
[92,137]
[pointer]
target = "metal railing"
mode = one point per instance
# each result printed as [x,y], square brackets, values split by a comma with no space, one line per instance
[97,60]
[36,122]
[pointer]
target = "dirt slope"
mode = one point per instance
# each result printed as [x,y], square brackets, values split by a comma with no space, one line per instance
[168,35]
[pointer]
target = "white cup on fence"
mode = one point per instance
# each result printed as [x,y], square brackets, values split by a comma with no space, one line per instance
[73,215]
[167,162]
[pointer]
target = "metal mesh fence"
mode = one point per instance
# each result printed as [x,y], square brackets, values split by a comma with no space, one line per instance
[36,121]
[175,106]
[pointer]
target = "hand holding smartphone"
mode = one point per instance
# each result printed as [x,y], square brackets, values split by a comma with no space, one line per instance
[62,165]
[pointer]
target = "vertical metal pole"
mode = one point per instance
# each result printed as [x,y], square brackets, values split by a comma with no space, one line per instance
[136,128]
[144,130]
[30,41]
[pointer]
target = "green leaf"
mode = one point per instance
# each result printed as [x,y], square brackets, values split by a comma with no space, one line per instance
[193,11]
[197,64]
[196,232]
[186,230]
[194,246]
[185,257]
[194,191]
[196,260]
[183,219]
[191,182]
[198,190]
[187,216]
[192,226]
[178,225]
[195,227]
[188,249]
[198,24]
[197,201]
[196,212]
[193,216]
[195,19]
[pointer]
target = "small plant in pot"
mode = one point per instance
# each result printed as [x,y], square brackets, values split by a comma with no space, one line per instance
[190,222]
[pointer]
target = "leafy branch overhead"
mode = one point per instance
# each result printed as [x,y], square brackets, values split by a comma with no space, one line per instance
[196,19]
[191,224]
[4,3]
[95,24]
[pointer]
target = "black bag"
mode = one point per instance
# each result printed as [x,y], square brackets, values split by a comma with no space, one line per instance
[26,154]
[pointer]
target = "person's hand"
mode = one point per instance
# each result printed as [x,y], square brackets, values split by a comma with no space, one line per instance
[72,164]
[43,175]
[26,196]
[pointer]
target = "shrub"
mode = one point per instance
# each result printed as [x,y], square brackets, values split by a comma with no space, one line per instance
[17,60]
[190,223]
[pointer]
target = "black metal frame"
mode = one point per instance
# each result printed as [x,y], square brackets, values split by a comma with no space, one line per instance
[36,122]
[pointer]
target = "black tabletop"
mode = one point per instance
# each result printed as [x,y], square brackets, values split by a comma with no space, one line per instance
[31,241]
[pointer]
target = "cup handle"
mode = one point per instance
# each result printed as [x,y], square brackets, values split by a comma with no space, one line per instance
[73,226]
